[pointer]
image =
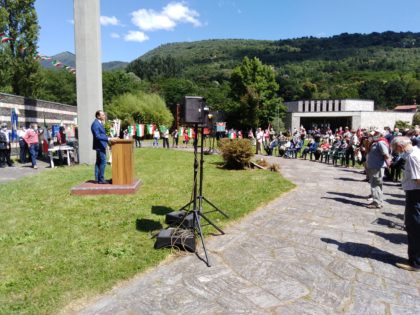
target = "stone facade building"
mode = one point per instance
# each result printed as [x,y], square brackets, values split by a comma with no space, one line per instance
[30,110]
[340,113]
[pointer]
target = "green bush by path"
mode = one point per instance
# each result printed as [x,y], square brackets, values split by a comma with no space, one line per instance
[56,248]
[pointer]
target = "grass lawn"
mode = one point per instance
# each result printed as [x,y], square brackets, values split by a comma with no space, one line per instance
[56,248]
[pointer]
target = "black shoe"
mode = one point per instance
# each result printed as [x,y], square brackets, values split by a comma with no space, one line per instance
[102,183]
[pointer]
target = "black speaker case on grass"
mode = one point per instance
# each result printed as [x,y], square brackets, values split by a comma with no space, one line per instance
[175,237]
[180,219]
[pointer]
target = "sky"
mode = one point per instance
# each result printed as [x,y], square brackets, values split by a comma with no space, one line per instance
[131,28]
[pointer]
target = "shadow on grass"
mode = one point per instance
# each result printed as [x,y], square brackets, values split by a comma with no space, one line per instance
[161,210]
[146,225]
[347,201]
[395,238]
[365,251]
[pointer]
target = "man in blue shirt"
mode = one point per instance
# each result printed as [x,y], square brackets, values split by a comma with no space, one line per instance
[100,142]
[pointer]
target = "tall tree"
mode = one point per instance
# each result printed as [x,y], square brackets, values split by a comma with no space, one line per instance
[255,88]
[18,21]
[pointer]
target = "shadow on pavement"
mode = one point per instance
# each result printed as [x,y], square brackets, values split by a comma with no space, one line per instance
[395,238]
[365,251]
[388,223]
[347,195]
[393,215]
[395,195]
[349,179]
[346,201]
[396,202]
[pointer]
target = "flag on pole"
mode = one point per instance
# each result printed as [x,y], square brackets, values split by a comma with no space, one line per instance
[130,130]
[163,128]
[190,132]
[180,131]
[232,135]
[140,130]
[14,123]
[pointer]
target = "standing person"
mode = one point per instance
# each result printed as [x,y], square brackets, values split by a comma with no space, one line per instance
[186,138]
[100,142]
[411,186]
[260,138]
[23,147]
[175,138]
[378,158]
[5,148]
[165,137]
[31,138]
[156,137]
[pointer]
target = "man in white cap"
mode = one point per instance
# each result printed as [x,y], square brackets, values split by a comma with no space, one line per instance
[411,186]
[378,159]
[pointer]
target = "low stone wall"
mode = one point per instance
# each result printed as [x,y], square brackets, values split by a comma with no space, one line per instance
[30,110]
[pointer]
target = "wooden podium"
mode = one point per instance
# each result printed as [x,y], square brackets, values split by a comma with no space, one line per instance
[122,161]
[123,181]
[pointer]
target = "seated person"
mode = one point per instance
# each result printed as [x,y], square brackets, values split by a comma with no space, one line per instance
[310,148]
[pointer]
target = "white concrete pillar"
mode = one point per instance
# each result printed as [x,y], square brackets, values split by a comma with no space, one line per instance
[88,72]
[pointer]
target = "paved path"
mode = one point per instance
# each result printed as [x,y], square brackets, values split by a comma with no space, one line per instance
[8,174]
[316,250]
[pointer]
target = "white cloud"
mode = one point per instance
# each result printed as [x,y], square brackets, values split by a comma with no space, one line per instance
[167,19]
[135,36]
[109,20]
[115,35]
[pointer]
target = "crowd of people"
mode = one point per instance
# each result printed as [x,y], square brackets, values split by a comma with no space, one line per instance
[34,143]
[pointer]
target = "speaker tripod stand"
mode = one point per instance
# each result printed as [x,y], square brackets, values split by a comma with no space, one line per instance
[198,199]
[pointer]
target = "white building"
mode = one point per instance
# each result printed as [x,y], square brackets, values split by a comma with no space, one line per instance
[340,113]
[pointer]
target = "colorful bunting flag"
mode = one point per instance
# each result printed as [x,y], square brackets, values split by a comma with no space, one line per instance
[140,130]
[180,131]
[130,130]
[6,39]
[232,135]
[150,129]
[190,132]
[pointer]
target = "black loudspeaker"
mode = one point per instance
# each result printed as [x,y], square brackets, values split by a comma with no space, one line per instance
[174,237]
[191,110]
[180,219]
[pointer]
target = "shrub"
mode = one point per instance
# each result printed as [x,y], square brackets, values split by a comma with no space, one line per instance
[236,153]
[402,124]
[416,119]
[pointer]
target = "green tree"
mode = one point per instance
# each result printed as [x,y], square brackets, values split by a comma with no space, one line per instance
[254,87]
[139,107]
[19,22]
[118,82]
[173,89]
[58,86]
[373,90]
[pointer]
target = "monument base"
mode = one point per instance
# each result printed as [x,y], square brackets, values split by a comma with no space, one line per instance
[92,188]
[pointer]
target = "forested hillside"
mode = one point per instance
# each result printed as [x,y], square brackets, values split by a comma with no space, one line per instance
[380,66]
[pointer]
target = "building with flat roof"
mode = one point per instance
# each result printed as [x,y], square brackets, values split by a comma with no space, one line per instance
[340,113]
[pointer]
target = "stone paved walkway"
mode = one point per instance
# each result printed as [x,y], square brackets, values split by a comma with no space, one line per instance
[315,250]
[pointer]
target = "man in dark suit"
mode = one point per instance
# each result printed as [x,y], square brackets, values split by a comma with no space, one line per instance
[100,142]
